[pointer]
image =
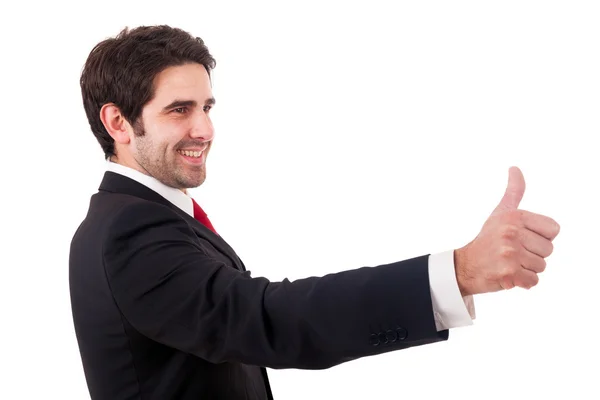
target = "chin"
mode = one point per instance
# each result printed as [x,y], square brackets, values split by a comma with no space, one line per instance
[192,183]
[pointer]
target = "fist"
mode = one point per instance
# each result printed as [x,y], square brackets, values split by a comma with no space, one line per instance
[511,248]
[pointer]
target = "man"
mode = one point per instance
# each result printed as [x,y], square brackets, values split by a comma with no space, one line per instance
[163,307]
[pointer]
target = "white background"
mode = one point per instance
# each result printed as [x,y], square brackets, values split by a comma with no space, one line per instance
[347,134]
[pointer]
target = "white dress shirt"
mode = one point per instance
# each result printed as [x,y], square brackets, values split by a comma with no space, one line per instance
[450,309]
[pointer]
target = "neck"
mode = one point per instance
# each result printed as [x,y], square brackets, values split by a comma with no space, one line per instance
[130,163]
[135,166]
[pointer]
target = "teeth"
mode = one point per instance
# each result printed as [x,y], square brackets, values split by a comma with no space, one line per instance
[190,153]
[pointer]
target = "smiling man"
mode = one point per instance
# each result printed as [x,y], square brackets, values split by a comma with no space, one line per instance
[164,308]
[173,135]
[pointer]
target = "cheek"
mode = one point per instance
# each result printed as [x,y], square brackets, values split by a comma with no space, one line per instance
[178,132]
[169,137]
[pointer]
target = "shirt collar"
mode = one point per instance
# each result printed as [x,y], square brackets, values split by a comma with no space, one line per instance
[175,196]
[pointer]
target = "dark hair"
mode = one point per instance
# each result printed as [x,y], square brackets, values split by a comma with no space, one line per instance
[121,70]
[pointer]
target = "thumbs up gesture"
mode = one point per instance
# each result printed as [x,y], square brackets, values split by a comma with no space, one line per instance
[511,248]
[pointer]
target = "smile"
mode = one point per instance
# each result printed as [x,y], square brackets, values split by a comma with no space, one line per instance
[187,153]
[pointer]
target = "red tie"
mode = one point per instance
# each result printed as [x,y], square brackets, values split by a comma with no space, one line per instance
[200,215]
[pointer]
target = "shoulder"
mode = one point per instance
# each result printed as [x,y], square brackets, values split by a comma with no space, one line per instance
[125,212]
[113,216]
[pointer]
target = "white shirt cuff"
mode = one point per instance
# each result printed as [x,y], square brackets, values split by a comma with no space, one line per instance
[450,309]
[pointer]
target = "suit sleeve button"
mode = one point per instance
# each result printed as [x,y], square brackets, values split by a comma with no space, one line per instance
[402,333]
[374,340]
[391,336]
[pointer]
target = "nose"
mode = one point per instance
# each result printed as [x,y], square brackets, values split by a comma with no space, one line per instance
[202,126]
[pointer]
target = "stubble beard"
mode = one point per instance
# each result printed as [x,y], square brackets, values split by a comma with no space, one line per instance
[165,167]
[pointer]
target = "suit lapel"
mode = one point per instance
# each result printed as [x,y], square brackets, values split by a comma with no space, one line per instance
[116,183]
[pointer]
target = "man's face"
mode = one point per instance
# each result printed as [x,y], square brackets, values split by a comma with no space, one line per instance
[176,126]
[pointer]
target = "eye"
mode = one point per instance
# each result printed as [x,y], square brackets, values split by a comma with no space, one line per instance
[207,108]
[180,110]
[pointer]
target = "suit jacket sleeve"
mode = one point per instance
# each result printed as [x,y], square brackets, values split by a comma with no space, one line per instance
[173,292]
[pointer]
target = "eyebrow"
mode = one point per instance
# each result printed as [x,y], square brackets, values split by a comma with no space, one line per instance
[188,103]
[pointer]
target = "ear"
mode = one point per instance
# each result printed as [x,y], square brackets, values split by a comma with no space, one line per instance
[114,122]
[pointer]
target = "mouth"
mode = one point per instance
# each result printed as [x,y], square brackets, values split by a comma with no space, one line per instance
[193,156]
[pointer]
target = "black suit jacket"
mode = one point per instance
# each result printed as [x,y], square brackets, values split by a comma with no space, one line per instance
[164,309]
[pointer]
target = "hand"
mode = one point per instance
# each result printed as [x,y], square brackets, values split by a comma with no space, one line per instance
[511,248]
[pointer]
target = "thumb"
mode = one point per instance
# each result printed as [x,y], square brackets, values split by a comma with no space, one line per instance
[514,191]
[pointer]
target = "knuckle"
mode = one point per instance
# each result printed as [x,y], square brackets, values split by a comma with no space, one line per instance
[510,232]
[509,271]
[507,283]
[508,252]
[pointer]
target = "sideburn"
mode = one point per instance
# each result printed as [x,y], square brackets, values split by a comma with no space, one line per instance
[138,127]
